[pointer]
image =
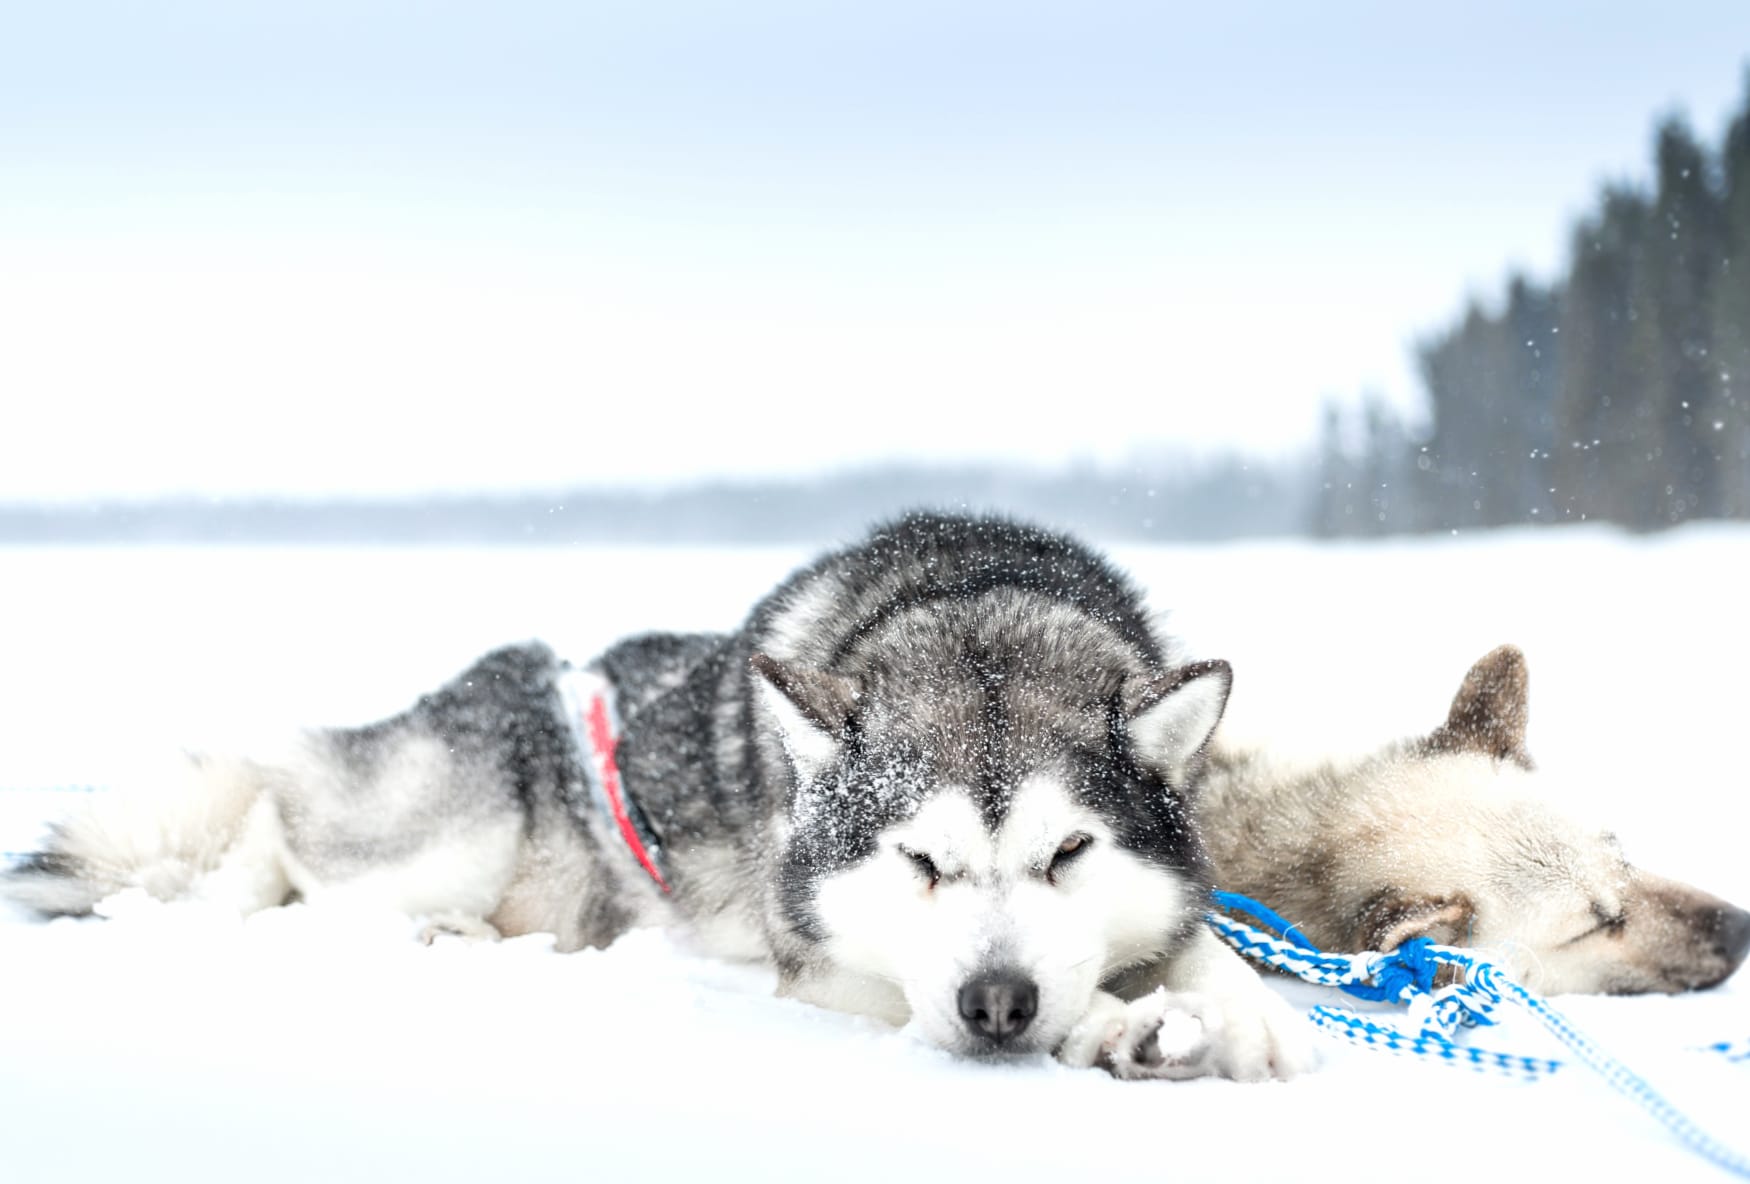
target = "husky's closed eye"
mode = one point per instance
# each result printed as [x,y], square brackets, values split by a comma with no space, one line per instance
[925,865]
[1067,853]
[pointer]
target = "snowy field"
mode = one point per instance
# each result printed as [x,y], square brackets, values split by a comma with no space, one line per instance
[175,1044]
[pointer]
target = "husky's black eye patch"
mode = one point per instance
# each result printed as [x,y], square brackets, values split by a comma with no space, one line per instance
[925,865]
[1067,852]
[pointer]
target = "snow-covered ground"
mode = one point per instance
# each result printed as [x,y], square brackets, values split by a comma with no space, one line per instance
[173,1043]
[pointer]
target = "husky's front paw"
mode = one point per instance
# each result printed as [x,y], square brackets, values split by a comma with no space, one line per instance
[1159,1035]
[1171,1035]
[1262,1038]
[1096,1032]
[1166,1035]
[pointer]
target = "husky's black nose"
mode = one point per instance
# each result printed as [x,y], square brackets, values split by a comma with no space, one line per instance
[1731,928]
[1000,1005]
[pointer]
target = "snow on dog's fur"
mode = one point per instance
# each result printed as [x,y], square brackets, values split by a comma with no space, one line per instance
[1447,836]
[940,777]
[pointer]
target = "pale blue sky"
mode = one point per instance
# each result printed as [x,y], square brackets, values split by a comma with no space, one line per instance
[398,247]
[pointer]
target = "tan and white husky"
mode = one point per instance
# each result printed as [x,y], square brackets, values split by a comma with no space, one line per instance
[1447,836]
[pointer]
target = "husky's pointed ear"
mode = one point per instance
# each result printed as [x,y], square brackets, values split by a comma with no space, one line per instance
[809,707]
[1491,709]
[1392,918]
[1173,715]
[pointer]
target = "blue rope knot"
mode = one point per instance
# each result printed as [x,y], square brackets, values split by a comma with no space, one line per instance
[1407,970]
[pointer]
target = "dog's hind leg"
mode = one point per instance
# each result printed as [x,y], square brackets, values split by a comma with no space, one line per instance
[459,925]
[251,874]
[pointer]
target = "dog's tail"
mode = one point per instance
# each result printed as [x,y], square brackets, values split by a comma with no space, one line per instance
[167,839]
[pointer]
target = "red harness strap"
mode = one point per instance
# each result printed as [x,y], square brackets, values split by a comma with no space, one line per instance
[590,698]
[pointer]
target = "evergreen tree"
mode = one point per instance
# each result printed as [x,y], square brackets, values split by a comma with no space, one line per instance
[1621,393]
[1334,506]
[1492,384]
[1460,371]
[1729,420]
[1602,417]
[1532,323]
[1390,503]
[1682,261]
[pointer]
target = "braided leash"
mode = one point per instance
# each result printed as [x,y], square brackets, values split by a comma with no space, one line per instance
[1407,976]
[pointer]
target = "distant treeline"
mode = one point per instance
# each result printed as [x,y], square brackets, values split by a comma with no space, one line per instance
[1163,499]
[1619,393]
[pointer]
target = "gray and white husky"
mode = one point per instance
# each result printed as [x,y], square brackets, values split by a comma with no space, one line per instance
[941,777]
[1449,836]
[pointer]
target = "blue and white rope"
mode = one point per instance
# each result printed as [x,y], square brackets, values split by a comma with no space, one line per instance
[1407,975]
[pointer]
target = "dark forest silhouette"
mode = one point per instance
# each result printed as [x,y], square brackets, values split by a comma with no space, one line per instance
[1619,393]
